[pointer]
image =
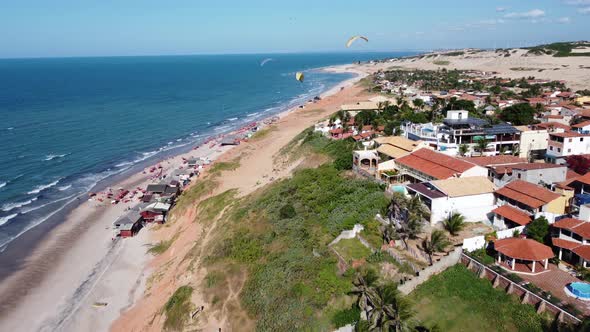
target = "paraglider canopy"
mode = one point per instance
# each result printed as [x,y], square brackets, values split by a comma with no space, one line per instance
[263,62]
[354,38]
[299,76]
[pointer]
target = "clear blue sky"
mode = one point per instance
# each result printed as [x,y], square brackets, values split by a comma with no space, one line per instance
[41,28]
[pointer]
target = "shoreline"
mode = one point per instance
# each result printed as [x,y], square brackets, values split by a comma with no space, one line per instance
[14,255]
[46,271]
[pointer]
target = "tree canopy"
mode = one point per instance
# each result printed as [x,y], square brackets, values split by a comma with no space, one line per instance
[519,114]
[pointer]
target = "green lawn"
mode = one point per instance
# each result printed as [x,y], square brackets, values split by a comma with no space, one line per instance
[351,249]
[457,300]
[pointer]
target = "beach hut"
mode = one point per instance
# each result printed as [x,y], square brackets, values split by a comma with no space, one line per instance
[128,225]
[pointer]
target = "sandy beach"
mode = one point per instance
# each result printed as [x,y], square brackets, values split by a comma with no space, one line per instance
[79,263]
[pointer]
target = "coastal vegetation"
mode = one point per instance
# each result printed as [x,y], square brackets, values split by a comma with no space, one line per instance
[441,62]
[280,235]
[178,309]
[561,49]
[471,304]
[162,246]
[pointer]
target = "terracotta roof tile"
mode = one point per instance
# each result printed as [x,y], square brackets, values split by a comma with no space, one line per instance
[565,244]
[583,251]
[434,164]
[525,249]
[494,160]
[527,193]
[582,124]
[577,226]
[513,214]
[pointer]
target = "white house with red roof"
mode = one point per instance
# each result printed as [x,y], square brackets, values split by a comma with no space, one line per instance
[561,145]
[426,165]
[572,238]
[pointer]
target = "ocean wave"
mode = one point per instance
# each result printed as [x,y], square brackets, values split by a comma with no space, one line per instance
[54,156]
[27,210]
[64,187]
[4,220]
[42,187]
[252,114]
[11,206]
[10,128]
[3,184]
[232,119]
[123,164]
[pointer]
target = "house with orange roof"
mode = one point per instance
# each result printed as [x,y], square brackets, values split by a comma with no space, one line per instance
[571,237]
[519,202]
[426,165]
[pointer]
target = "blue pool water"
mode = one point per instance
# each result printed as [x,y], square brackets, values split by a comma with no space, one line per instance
[580,289]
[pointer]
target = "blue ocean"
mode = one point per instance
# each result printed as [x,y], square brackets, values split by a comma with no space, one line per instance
[68,123]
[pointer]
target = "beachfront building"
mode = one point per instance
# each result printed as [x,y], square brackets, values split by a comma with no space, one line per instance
[354,109]
[571,237]
[473,197]
[523,255]
[426,165]
[566,144]
[155,212]
[519,202]
[391,148]
[458,128]
[128,225]
[536,173]
[365,162]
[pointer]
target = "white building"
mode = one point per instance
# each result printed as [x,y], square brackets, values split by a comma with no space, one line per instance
[566,144]
[471,197]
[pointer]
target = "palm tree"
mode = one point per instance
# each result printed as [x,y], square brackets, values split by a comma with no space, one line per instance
[454,223]
[463,149]
[481,145]
[436,243]
[364,289]
[391,312]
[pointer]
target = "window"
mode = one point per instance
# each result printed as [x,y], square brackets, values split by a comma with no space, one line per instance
[558,149]
[571,140]
[551,148]
[569,150]
[519,175]
[581,139]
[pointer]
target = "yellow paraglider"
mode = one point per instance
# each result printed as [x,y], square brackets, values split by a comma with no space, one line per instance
[354,38]
[299,76]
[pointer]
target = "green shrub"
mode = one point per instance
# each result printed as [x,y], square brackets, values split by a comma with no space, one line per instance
[287,211]
[178,308]
[346,316]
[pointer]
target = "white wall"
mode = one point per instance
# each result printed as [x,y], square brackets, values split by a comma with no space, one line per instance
[474,208]
[474,243]
[532,140]
[508,232]
[475,171]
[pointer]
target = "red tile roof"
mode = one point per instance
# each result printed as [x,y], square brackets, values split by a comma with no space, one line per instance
[494,160]
[565,244]
[434,164]
[337,131]
[525,249]
[527,193]
[569,134]
[583,251]
[582,124]
[577,226]
[550,124]
[553,116]
[513,214]
[585,179]
[571,174]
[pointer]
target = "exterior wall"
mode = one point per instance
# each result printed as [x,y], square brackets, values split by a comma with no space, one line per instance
[475,171]
[451,259]
[570,146]
[536,176]
[532,140]
[474,208]
[556,206]
[128,233]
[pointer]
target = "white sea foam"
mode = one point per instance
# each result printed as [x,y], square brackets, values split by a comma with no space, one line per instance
[4,220]
[29,209]
[42,187]
[232,119]
[54,156]
[252,114]
[3,184]
[64,187]
[10,206]
[123,164]
[10,128]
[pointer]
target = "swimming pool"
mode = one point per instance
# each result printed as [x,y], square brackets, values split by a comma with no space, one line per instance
[580,290]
